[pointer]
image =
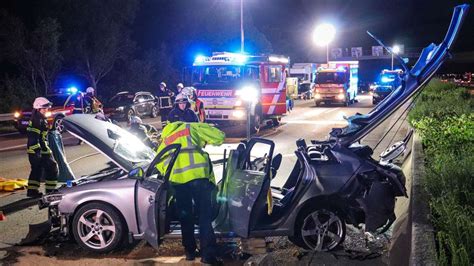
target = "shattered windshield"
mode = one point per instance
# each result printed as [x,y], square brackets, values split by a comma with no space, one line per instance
[129,147]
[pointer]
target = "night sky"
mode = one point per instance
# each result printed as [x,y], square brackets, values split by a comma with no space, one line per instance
[285,24]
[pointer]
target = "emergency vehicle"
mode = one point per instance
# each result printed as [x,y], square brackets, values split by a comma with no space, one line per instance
[225,81]
[336,82]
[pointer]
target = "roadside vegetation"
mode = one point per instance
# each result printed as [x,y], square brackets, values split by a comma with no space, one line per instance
[444,117]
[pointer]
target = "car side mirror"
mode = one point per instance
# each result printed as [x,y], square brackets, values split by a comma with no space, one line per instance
[276,161]
[136,173]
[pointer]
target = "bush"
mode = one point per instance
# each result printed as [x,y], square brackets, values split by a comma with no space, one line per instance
[15,93]
[443,116]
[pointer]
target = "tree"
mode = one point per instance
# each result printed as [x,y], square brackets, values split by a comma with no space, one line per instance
[98,35]
[35,52]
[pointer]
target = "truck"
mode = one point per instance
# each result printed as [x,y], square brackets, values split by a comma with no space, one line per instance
[226,83]
[336,82]
[306,73]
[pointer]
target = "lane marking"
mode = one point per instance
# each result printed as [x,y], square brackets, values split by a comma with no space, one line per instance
[9,134]
[24,145]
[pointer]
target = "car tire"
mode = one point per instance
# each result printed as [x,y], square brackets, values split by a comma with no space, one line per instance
[154,112]
[58,124]
[256,120]
[98,236]
[316,103]
[325,234]
[276,121]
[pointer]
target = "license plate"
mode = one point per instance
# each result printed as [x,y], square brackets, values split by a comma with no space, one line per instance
[25,123]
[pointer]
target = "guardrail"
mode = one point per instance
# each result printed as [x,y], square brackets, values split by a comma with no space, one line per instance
[6,117]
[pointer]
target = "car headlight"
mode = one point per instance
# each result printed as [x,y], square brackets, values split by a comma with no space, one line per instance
[120,109]
[341,96]
[317,96]
[238,113]
[16,114]
[52,198]
[248,94]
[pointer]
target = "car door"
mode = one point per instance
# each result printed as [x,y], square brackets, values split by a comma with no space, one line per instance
[151,196]
[247,185]
[149,103]
[139,103]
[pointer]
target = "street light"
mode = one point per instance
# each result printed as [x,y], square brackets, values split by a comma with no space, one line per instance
[395,50]
[323,35]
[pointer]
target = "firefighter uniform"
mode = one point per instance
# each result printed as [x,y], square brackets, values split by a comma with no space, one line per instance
[39,155]
[192,179]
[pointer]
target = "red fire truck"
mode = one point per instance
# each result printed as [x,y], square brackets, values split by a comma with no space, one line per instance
[225,81]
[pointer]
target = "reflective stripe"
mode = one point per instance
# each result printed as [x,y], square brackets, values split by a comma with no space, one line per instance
[32,187]
[51,182]
[190,167]
[182,133]
[46,152]
[34,147]
[34,130]
[33,182]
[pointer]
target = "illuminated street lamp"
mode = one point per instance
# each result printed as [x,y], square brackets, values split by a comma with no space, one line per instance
[323,35]
[248,94]
[395,50]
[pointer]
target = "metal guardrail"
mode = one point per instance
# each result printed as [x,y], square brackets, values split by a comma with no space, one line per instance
[6,117]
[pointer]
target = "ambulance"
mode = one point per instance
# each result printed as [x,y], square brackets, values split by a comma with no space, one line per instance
[336,82]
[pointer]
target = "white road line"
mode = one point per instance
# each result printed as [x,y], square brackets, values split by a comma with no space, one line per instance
[9,134]
[24,145]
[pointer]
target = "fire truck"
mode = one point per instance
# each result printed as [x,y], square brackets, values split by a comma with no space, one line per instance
[336,83]
[227,82]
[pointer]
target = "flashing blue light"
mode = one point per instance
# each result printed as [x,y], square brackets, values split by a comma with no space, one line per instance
[386,79]
[72,90]
[200,59]
[341,68]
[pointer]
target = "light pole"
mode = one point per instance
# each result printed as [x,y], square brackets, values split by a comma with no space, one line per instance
[323,35]
[241,26]
[395,50]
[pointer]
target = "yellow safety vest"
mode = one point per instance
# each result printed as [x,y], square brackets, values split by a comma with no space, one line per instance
[192,161]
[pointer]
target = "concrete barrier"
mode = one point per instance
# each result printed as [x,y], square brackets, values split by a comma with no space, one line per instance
[6,117]
[423,248]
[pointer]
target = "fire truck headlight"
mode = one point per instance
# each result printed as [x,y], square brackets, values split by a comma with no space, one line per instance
[238,102]
[341,90]
[317,96]
[248,94]
[341,96]
[16,114]
[238,113]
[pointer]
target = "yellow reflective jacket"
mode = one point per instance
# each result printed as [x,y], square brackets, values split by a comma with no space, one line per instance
[192,161]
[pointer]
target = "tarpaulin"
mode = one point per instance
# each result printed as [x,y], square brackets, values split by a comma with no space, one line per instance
[56,145]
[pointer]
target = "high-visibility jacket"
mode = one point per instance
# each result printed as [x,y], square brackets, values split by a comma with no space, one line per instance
[37,132]
[192,161]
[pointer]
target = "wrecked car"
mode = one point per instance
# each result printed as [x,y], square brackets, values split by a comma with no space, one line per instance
[334,182]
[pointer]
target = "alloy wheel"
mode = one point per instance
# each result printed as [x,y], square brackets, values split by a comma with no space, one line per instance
[59,125]
[322,230]
[96,229]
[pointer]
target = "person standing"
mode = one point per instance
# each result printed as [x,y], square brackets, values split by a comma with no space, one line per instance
[39,153]
[165,99]
[92,104]
[192,179]
[179,88]
[181,111]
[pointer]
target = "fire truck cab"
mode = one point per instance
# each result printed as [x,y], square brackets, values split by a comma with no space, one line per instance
[336,83]
[231,84]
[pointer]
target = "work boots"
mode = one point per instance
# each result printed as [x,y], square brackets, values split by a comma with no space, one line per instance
[33,193]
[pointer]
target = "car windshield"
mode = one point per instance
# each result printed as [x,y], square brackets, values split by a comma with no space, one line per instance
[223,74]
[304,87]
[129,147]
[122,98]
[330,77]
[58,100]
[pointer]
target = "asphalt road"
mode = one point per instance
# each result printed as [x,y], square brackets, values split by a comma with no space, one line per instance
[305,121]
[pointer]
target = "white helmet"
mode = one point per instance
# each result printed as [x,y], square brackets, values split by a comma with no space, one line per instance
[90,90]
[180,86]
[162,84]
[135,120]
[181,98]
[41,103]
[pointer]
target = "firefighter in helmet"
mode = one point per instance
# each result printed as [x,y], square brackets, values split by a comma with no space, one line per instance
[196,105]
[182,111]
[92,104]
[145,132]
[39,153]
[192,180]
[165,100]
[179,88]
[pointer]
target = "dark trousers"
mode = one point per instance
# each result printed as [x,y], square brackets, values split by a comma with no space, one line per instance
[164,116]
[42,164]
[199,191]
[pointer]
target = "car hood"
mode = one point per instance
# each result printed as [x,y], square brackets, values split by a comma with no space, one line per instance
[98,134]
[413,81]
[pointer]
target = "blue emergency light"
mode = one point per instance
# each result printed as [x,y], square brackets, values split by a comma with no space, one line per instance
[200,59]
[386,79]
[72,90]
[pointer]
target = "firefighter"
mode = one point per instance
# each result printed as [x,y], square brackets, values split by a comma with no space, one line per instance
[146,133]
[197,106]
[181,111]
[93,105]
[165,99]
[192,179]
[179,88]
[39,153]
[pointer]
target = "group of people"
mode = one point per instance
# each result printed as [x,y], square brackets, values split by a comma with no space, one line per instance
[192,178]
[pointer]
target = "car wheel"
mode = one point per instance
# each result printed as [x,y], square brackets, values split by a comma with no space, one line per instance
[256,123]
[130,113]
[98,227]
[154,112]
[319,229]
[276,121]
[58,124]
